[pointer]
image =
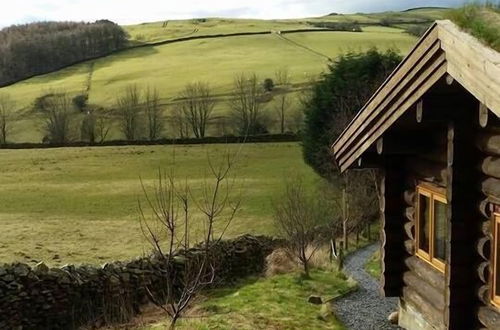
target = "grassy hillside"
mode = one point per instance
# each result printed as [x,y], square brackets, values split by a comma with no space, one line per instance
[159,31]
[170,67]
[80,204]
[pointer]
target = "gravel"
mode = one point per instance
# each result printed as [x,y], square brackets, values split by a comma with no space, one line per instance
[365,308]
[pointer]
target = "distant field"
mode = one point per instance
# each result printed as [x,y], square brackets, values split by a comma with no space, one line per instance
[165,30]
[72,205]
[170,67]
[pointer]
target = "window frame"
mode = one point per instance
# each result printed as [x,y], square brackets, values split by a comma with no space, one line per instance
[434,194]
[495,300]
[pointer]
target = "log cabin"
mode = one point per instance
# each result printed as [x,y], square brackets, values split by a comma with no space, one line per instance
[433,130]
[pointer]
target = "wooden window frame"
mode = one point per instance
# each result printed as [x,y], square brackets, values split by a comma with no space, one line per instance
[495,300]
[434,193]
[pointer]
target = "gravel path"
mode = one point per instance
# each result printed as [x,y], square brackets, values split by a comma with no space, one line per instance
[365,308]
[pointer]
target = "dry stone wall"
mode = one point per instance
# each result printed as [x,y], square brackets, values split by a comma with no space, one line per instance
[73,296]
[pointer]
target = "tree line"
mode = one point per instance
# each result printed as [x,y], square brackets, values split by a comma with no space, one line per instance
[138,113]
[38,48]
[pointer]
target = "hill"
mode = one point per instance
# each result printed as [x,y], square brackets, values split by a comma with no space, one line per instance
[169,67]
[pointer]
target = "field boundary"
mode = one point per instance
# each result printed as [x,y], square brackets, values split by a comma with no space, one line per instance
[265,138]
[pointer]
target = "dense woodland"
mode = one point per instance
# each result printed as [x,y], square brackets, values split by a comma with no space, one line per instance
[37,48]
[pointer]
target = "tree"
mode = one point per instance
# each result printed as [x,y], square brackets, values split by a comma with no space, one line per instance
[30,49]
[334,101]
[268,84]
[6,109]
[245,105]
[129,110]
[102,127]
[179,122]
[198,104]
[58,119]
[169,232]
[88,127]
[297,216]
[154,113]
[282,77]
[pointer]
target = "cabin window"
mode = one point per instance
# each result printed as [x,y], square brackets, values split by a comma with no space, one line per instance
[431,225]
[496,261]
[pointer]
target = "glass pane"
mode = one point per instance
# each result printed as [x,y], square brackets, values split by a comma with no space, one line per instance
[497,261]
[440,230]
[423,223]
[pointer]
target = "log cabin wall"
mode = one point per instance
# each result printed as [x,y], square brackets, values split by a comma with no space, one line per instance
[446,157]
[488,144]
[423,295]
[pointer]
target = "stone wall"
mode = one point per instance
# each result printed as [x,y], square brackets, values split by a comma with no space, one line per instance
[74,296]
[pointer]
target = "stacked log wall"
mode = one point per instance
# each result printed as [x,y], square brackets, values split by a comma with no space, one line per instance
[488,144]
[424,286]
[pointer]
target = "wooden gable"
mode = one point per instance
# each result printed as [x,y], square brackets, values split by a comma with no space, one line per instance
[443,50]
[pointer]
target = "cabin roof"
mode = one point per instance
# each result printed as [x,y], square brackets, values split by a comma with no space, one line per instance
[443,49]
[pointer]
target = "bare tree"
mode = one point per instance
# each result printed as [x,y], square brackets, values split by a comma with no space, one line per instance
[198,104]
[58,119]
[6,108]
[102,127]
[129,109]
[154,114]
[179,122]
[245,104]
[282,77]
[297,216]
[168,231]
[88,127]
[296,120]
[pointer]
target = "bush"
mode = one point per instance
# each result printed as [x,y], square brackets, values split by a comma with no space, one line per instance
[268,84]
[80,101]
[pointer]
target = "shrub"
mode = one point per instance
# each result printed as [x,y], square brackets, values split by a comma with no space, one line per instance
[268,84]
[80,101]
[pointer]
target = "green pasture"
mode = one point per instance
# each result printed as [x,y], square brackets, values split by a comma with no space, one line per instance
[249,305]
[170,67]
[71,205]
[166,30]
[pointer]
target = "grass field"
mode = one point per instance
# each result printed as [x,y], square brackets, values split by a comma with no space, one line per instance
[250,306]
[72,205]
[158,31]
[170,67]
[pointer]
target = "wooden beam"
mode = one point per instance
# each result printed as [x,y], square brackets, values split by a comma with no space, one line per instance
[489,317]
[491,166]
[387,117]
[380,145]
[449,79]
[483,115]
[419,111]
[491,188]
[489,142]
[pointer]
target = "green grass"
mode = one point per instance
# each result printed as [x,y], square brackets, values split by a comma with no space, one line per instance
[81,203]
[278,302]
[482,21]
[374,266]
[170,67]
[156,31]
